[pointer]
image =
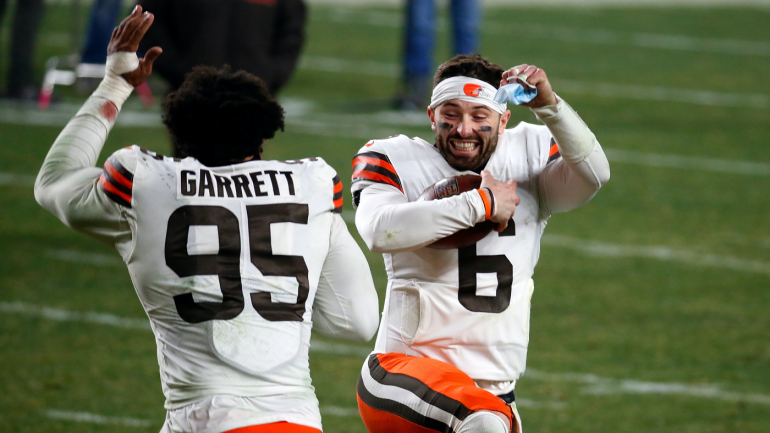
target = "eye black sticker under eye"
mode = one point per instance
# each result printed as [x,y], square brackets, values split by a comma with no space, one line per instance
[485,128]
[445,125]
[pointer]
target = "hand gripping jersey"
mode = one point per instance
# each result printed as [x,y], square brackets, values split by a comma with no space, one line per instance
[468,307]
[226,262]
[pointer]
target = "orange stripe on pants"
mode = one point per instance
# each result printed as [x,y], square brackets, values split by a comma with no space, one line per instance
[377,421]
[439,376]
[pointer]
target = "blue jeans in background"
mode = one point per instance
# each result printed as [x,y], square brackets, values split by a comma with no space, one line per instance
[419,40]
[104,18]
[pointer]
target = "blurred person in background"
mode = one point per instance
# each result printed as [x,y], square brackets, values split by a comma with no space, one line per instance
[419,42]
[27,18]
[234,258]
[262,37]
[104,15]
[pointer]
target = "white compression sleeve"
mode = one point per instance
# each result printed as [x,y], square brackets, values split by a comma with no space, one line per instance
[66,185]
[389,223]
[572,181]
[346,303]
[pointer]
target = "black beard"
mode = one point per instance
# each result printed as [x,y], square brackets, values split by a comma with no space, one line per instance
[475,165]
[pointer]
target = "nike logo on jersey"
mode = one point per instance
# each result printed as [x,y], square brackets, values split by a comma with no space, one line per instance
[203,183]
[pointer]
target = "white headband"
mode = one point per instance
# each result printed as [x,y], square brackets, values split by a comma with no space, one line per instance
[466,89]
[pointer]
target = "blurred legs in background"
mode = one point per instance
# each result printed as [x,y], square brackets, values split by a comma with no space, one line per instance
[27,18]
[104,18]
[419,42]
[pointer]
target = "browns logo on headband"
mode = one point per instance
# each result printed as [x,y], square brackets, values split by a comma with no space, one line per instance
[466,89]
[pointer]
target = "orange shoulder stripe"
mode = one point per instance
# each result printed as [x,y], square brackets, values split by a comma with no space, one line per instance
[117,176]
[373,161]
[377,177]
[111,189]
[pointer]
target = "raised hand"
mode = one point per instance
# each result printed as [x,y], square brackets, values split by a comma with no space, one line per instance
[535,76]
[126,37]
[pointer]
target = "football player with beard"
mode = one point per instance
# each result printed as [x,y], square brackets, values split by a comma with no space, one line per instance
[455,327]
[234,258]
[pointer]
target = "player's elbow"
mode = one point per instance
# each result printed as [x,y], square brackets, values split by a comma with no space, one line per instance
[374,237]
[46,195]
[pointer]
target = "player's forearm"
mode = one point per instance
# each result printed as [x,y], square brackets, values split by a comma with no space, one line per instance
[78,146]
[346,303]
[583,168]
[574,138]
[388,223]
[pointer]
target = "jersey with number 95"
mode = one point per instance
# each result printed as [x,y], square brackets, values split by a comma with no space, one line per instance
[226,262]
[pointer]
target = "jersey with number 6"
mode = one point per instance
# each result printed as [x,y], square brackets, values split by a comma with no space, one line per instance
[226,262]
[468,307]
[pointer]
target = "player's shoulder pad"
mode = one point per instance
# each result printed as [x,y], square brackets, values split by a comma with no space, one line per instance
[117,179]
[372,165]
[325,176]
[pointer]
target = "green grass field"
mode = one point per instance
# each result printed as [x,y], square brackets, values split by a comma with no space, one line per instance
[652,308]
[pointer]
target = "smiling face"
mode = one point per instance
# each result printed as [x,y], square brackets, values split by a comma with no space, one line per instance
[467,132]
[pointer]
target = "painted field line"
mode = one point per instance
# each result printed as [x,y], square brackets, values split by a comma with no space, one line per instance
[75,256]
[351,67]
[601,385]
[573,34]
[339,411]
[688,162]
[531,404]
[598,384]
[606,90]
[15,179]
[90,418]
[61,315]
[602,249]
[658,93]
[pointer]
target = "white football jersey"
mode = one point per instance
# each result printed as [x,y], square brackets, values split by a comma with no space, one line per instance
[226,262]
[470,306]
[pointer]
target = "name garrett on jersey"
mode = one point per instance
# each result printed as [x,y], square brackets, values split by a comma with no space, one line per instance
[204,183]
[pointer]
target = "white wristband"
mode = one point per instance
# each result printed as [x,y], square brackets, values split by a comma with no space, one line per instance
[114,87]
[122,62]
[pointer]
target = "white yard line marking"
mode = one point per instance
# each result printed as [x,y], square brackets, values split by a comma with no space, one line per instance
[598,385]
[607,90]
[81,257]
[531,404]
[61,315]
[657,93]
[91,418]
[602,249]
[338,411]
[601,385]
[572,34]
[688,162]
[14,179]
[342,66]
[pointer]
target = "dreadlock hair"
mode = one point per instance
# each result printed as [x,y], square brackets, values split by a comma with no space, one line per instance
[469,65]
[219,116]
